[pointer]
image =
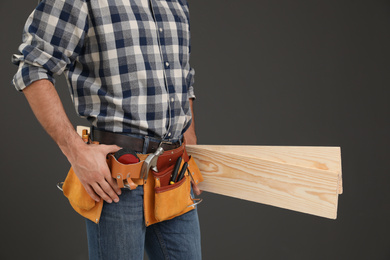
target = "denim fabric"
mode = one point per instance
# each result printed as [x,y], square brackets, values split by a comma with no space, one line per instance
[122,234]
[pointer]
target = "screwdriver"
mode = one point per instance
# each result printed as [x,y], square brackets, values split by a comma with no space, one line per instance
[182,172]
[175,170]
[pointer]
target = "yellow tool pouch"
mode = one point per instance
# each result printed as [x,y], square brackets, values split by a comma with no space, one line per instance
[79,199]
[164,201]
[172,200]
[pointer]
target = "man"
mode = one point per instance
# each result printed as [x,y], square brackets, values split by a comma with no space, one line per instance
[127,65]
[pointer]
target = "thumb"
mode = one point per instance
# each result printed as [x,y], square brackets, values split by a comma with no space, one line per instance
[111,148]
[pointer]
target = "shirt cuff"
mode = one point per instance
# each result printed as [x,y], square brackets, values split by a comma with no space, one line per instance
[27,74]
[191,93]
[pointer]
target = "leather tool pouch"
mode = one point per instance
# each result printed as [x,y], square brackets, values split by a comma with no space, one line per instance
[171,199]
[126,176]
[164,201]
[80,199]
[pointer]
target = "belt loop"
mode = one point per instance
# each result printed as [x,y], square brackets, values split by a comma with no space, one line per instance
[146,145]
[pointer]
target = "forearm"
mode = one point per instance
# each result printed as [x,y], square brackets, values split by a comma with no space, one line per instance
[48,109]
[190,134]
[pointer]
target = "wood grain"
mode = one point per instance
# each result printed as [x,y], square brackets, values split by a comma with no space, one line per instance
[316,157]
[304,180]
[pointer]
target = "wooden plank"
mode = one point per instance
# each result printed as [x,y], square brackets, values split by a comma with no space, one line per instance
[304,189]
[317,157]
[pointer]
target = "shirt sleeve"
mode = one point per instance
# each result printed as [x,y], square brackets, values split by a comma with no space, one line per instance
[53,37]
[190,82]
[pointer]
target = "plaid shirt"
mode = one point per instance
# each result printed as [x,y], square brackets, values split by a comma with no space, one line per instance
[126,62]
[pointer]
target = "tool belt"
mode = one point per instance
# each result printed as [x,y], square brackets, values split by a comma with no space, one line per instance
[162,200]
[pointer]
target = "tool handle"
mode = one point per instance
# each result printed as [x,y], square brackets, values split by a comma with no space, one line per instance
[175,170]
[182,172]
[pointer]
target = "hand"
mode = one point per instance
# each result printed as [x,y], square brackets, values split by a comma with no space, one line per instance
[195,188]
[90,166]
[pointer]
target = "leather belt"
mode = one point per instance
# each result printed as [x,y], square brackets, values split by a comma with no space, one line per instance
[129,142]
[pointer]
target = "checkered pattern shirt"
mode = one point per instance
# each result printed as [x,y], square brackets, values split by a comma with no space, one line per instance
[126,62]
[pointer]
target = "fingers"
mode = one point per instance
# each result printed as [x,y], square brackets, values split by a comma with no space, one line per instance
[98,182]
[196,189]
[91,193]
[102,190]
[107,174]
[105,192]
[113,184]
[106,187]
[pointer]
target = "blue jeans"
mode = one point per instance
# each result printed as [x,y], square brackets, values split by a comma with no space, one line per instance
[122,234]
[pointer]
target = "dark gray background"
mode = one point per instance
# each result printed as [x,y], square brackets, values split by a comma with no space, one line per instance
[269,72]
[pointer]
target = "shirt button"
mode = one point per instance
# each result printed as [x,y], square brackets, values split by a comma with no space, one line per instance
[161,29]
[172,99]
[169,134]
[167,63]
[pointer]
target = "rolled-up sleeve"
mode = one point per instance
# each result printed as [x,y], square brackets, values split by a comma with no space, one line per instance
[190,82]
[52,39]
